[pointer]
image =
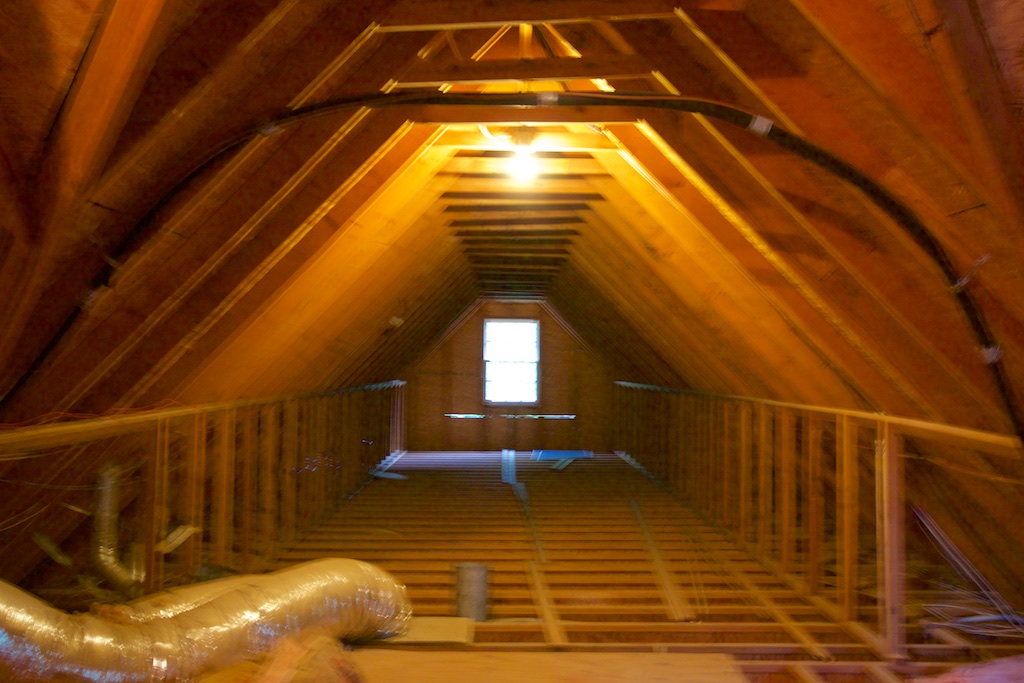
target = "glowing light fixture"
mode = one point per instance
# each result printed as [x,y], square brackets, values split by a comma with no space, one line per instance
[523,165]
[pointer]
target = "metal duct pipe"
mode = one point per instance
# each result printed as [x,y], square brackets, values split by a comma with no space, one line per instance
[175,601]
[471,591]
[104,538]
[233,621]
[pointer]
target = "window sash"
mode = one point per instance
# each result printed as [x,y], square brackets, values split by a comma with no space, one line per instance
[510,382]
[512,340]
[511,361]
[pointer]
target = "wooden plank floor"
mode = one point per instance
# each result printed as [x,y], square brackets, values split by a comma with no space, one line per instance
[594,557]
[376,666]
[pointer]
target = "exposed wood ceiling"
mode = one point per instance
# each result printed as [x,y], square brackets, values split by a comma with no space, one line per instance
[742,269]
[167,235]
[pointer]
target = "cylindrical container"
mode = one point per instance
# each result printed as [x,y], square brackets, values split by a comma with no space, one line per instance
[471,591]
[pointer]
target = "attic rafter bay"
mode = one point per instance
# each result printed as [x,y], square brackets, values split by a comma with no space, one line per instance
[550,105]
[742,209]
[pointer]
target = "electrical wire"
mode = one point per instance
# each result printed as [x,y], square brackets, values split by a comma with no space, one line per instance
[25,516]
[758,125]
[12,457]
[50,418]
[986,606]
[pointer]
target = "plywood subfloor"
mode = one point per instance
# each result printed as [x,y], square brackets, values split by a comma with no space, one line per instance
[386,666]
[434,630]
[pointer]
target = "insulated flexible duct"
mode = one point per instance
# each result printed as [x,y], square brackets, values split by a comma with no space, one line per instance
[105,537]
[200,629]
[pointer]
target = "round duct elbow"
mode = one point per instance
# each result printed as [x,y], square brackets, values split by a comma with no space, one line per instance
[105,536]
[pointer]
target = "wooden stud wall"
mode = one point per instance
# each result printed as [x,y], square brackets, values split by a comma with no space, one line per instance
[759,469]
[155,518]
[253,477]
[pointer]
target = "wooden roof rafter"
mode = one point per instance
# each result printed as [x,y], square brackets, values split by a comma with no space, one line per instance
[343,287]
[621,44]
[613,269]
[794,297]
[819,104]
[603,327]
[796,264]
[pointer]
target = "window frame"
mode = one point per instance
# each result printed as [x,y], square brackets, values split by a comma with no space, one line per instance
[485,362]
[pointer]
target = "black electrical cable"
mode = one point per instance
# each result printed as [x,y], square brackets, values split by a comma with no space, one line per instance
[908,220]
[899,212]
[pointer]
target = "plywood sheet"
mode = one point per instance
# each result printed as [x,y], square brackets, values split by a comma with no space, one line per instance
[384,666]
[437,630]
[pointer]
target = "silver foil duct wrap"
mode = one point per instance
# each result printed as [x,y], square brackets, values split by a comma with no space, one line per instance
[176,636]
[104,539]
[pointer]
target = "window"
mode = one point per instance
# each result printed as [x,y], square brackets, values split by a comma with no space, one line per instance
[511,360]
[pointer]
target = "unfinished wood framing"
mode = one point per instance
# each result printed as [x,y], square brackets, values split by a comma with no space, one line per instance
[192,489]
[727,463]
[288,470]
[798,528]
[269,459]
[246,489]
[554,632]
[745,467]
[814,502]
[765,488]
[809,289]
[675,603]
[230,476]
[222,483]
[848,516]
[598,588]
[786,478]
[156,498]
[891,525]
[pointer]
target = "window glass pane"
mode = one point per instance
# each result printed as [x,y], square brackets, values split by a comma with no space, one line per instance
[515,340]
[511,382]
[511,354]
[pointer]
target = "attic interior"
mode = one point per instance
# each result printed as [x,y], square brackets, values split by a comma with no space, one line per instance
[248,251]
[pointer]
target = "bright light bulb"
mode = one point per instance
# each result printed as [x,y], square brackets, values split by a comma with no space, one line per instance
[523,166]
